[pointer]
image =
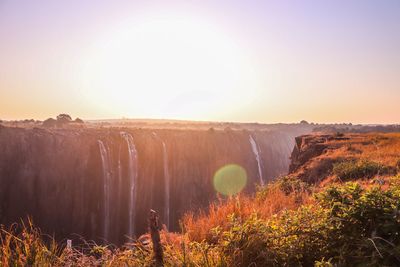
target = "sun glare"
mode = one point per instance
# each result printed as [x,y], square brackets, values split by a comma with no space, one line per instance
[166,67]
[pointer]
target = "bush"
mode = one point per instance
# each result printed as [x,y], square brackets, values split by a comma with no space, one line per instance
[64,118]
[289,184]
[365,224]
[323,263]
[269,200]
[348,225]
[50,123]
[351,169]
[295,238]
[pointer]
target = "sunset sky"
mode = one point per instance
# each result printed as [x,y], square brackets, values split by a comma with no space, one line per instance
[246,61]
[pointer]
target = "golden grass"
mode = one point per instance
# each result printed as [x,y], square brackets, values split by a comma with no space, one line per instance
[382,148]
[200,227]
[26,246]
[379,147]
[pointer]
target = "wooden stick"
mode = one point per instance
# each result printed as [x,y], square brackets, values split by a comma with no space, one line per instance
[154,226]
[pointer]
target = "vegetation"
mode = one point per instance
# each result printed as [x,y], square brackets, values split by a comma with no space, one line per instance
[365,224]
[352,169]
[286,223]
[78,120]
[64,118]
[61,121]
[50,123]
[268,201]
[291,184]
[398,165]
[346,225]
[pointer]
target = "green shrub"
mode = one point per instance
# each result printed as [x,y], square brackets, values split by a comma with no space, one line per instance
[295,238]
[365,224]
[287,184]
[348,225]
[351,169]
[245,242]
[395,180]
[323,263]
[290,183]
[300,237]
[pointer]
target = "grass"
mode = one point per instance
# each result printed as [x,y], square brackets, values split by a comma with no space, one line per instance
[352,169]
[286,223]
[352,154]
[346,225]
[267,202]
[23,245]
[198,245]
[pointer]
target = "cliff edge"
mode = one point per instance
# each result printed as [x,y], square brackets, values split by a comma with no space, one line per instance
[320,158]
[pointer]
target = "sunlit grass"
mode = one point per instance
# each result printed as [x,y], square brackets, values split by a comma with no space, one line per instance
[288,222]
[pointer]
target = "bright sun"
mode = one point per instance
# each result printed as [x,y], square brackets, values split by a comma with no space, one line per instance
[164,67]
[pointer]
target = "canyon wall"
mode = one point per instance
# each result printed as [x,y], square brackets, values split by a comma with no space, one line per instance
[100,183]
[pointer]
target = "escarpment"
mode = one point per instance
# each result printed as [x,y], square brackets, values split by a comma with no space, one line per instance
[359,155]
[100,183]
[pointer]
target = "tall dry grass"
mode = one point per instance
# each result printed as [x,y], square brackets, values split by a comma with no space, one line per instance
[383,148]
[268,201]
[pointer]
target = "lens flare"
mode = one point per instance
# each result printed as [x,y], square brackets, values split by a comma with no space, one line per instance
[230,179]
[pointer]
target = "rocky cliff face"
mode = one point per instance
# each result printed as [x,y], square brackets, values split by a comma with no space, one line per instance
[101,183]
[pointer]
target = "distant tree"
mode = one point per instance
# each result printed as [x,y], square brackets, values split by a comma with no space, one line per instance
[304,122]
[64,118]
[78,120]
[50,123]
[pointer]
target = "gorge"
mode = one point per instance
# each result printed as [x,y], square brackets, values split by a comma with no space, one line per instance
[100,182]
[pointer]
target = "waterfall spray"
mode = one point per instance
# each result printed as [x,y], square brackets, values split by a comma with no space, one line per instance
[106,187]
[256,152]
[119,187]
[166,182]
[132,172]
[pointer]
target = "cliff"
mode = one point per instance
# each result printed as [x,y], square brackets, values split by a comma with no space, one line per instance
[99,183]
[315,156]
[289,222]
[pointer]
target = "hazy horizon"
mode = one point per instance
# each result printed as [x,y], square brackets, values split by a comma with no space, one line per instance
[201,121]
[266,62]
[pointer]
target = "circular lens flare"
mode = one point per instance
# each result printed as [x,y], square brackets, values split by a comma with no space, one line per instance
[230,179]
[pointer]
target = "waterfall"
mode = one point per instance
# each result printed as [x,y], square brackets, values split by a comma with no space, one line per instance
[166,182]
[119,172]
[132,172]
[256,152]
[119,187]
[106,187]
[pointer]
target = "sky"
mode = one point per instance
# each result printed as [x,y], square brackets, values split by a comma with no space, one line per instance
[245,61]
